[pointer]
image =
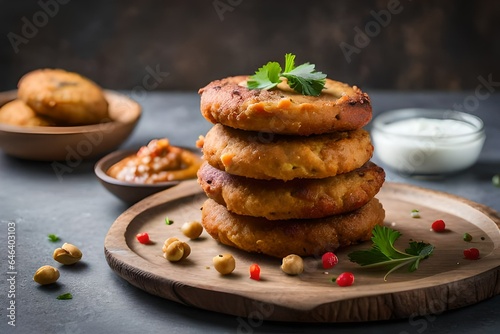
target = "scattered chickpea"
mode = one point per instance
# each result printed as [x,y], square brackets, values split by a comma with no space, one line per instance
[187,250]
[192,230]
[168,242]
[292,265]
[175,250]
[224,263]
[67,254]
[46,275]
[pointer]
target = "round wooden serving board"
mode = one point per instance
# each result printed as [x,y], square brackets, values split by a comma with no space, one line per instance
[443,282]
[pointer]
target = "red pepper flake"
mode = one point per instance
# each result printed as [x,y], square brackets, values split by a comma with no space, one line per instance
[345,279]
[143,238]
[438,225]
[329,260]
[471,253]
[255,272]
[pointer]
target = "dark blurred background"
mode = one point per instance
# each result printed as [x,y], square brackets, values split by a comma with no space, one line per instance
[405,45]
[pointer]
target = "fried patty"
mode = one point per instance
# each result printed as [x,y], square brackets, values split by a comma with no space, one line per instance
[280,238]
[18,113]
[66,97]
[339,107]
[285,157]
[295,199]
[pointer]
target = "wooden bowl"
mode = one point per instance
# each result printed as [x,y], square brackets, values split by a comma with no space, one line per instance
[129,192]
[71,143]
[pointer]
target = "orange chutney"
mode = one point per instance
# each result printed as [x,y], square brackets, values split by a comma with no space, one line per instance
[157,162]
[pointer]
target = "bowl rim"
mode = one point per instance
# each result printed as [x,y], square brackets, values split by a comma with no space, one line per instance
[393,115]
[10,95]
[115,156]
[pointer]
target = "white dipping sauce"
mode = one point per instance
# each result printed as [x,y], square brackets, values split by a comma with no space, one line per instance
[430,127]
[428,146]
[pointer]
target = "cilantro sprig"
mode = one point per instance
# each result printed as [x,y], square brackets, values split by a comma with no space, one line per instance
[384,254]
[304,79]
[53,238]
[65,296]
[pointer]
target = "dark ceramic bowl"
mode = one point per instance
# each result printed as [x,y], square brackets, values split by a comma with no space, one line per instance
[129,192]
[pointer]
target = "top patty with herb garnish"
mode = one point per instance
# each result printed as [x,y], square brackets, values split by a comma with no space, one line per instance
[282,110]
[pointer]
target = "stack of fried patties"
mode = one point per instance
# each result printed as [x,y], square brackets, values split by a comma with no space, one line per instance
[287,173]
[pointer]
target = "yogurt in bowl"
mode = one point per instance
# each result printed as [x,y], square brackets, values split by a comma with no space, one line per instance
[427,142]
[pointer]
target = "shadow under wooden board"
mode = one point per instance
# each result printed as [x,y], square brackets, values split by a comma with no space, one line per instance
[444,281]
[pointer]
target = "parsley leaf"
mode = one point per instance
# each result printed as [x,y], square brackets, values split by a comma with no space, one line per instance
[289,62]
[168,221]
[304,79]
[53,238]
[384,254]
[65,296]
[266,77]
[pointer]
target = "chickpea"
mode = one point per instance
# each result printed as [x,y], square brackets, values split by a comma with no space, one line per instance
[68,254]
[192,230]
[168,242]
[175,250]
[187,250]
[292,265]
[224,263]
[46,275]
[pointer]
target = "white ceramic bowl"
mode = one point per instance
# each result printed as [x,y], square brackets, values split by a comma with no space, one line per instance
[427,141]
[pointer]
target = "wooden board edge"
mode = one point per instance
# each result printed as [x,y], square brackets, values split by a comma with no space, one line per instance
[486,210]
[387,306]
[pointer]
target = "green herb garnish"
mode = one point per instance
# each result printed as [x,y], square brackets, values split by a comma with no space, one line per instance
[53,238]
[168,221]
[467,237]
[384,254]
[496,180]
[65,296]
[304,79]
[415,213]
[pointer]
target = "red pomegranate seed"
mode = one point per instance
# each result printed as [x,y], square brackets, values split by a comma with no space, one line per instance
[345,279]
[255,272]
[329,260]
[471,253]
[438,225]
[143,238]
